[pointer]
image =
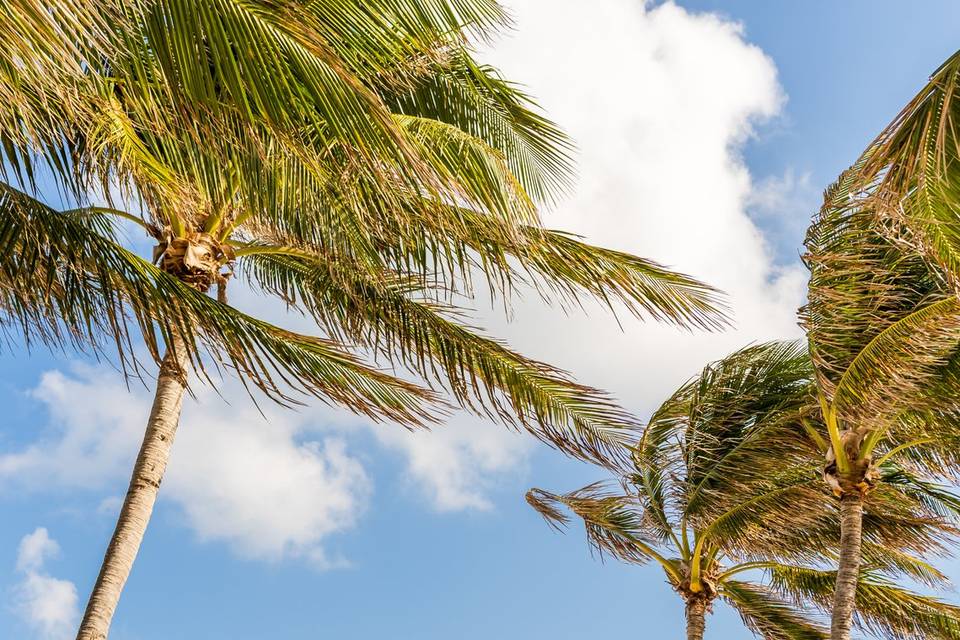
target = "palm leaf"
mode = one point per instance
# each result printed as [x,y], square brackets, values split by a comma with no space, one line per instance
[767,615]
[882,608]
[475,99]
[481,373]
[880,319]
[612,524]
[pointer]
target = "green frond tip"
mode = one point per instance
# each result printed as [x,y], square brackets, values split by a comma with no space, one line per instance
[613,524]
[642,285]
[548,505]
[475,99]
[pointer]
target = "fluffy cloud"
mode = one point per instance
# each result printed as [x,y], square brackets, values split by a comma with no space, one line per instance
[238,476]
[47,604]
[660,101]
[253,483]
[456,465]
[96,426]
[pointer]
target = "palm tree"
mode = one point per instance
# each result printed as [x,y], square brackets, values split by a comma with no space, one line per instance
[351,159]
[883,318]
[723,485]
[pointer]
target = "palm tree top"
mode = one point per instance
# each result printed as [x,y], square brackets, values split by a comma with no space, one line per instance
[356,162]
[882,323]
[726,482]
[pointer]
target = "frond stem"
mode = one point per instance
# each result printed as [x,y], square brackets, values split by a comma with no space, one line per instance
[902,447]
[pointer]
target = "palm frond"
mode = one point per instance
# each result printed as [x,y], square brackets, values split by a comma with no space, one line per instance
[612,523]
[892,370]
[883,609]
[475,99]
[896,563]
[735,425]
[936,499]
[381,312]
[478,171]
[292,78]
[454,243]
[880,319]
[918,150]
[767,615]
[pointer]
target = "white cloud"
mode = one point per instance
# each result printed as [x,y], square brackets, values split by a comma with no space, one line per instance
[455,465]
[783,205]
[660,101]
[235,475]
[91,422]
[35,548]
[47,604]
[251,482]
[778,195]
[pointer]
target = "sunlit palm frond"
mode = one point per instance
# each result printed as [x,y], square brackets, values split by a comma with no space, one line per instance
[910,172]
[475,99]
[913,163]
[937,499]
[764,613]
[880,321]
[572,267]
[883,608]
[612,523]
[457,243]
[382,34]
[44,79]
[749,526]
[85,284]
[291,79]
[926,440]
[895,563]
[384,313]
[735,425]
[478,171]
[892,370]
[894,523]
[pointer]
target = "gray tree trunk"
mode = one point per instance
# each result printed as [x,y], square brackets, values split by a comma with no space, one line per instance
[141,495]
[696,618]
[844,597]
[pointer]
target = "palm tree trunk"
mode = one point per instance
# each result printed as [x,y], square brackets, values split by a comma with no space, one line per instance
[844,597]
[142,493]
[696,618]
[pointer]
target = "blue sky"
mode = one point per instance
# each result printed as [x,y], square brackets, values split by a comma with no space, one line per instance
[707,130]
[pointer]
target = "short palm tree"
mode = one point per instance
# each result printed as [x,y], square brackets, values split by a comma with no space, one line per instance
[883,318]
[724,488]
[351,159]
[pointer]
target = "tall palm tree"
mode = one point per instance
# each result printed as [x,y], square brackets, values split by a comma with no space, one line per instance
[724,488]
[883,317]
[351,159]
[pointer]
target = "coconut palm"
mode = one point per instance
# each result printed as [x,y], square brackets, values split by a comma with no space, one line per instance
[883,318]
[724,492]
[351,159]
